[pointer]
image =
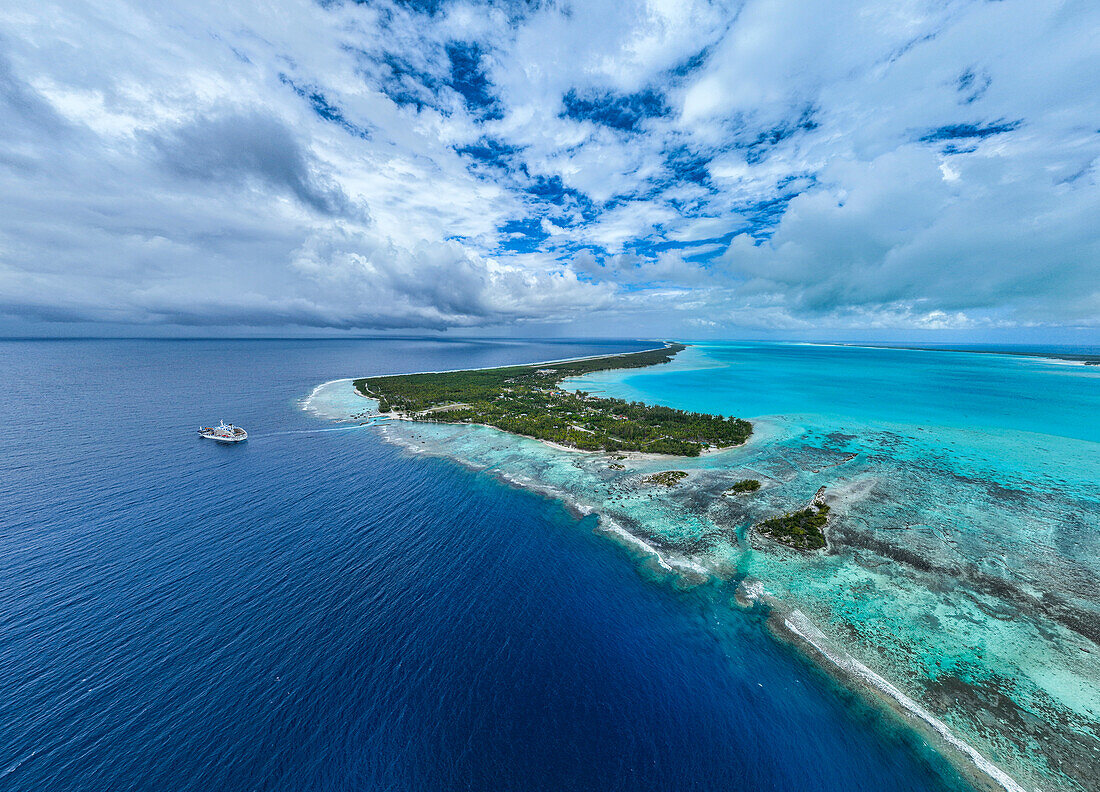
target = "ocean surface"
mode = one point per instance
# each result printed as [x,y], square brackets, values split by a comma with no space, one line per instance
[326,608]
[959,586]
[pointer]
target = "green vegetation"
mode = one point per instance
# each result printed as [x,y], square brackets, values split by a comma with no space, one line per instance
[800,529]
[526,400]
[667,478]
[744,485]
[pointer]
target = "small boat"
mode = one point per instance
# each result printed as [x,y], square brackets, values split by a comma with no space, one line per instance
[223,433]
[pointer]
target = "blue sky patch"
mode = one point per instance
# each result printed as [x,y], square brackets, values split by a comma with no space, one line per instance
[688,166]
[404,84]
[326,109]
[972,85]
[522,236]
[760,146]
[490,152]
[625,112]
[969,131]
[471,82]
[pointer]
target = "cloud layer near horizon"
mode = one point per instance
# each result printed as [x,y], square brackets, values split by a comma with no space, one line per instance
[630,166]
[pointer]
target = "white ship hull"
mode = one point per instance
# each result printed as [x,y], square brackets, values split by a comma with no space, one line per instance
[237,439]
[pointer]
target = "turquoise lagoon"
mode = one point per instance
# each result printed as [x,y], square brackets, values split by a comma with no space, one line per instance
[961,580]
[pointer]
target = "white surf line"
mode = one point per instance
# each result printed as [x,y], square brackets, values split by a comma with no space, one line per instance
[673,565]
[798,623]
[305,402]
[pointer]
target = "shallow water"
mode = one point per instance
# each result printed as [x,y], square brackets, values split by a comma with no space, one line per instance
[319,609]
[964,554]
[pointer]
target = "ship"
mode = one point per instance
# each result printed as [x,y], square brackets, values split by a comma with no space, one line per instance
[224,433]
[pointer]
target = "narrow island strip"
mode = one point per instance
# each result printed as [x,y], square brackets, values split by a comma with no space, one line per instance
[528,400]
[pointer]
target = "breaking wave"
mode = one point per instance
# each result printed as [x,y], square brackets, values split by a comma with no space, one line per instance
[800,625]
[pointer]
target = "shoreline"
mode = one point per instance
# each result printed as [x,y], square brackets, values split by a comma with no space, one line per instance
[638,456]
[791,626]
[481,409]
[785,623]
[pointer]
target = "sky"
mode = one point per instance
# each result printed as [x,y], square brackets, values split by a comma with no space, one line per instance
[904,169]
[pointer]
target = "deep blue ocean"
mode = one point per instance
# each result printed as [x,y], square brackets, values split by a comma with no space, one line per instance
[318,610]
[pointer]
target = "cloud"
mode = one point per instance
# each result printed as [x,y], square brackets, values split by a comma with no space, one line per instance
[622,165]
[232,148]
[25,113]
[901,235]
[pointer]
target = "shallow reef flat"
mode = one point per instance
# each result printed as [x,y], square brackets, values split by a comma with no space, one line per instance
[960,566]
